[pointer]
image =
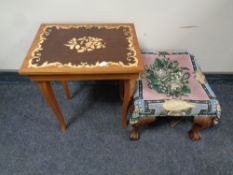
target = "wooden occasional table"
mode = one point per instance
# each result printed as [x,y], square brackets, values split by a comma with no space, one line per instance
[62,52]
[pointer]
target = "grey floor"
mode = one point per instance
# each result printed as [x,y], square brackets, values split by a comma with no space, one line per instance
[95,143]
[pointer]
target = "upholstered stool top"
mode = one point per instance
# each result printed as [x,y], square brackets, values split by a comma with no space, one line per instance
[173,85]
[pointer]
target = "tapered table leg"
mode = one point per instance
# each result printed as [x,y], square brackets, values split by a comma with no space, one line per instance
[66,89]
[129,86]
[47,91]
[121,89]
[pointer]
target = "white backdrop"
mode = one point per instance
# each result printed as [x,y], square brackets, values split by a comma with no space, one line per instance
[203,27]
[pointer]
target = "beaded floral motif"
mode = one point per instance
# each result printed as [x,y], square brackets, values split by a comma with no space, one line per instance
[167,77]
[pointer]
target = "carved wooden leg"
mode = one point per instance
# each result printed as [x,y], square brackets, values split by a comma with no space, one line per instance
[134,133]
[47,92]
[66,89]
[129,86]
[198,124]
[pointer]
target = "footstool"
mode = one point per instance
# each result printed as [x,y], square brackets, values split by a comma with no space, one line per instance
[173,85]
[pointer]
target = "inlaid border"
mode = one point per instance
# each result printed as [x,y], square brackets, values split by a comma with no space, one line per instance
[131,55]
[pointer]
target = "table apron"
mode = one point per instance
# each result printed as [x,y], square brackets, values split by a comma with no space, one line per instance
[84,77]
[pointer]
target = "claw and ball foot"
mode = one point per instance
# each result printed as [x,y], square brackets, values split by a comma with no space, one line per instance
[198,124]
[134,133]
[194,134]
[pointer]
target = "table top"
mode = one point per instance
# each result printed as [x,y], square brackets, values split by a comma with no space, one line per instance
[83,49]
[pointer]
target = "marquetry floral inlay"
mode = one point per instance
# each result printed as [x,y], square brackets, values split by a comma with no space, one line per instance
[85,44]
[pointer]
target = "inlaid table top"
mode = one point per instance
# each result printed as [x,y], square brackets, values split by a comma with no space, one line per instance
[83,49]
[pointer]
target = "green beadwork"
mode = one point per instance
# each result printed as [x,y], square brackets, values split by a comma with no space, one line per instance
[167,77]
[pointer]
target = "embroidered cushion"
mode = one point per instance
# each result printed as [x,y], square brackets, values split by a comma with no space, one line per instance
[173,85]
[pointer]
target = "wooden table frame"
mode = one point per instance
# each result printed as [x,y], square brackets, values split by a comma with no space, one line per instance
[43,81]
[43,76]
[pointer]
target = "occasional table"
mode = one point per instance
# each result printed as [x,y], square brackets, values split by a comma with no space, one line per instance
[62,52]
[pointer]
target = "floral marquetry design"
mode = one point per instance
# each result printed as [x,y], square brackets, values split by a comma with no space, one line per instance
[115,45]
[85,44]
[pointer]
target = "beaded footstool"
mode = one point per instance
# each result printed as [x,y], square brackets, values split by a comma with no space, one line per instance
[173,85]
